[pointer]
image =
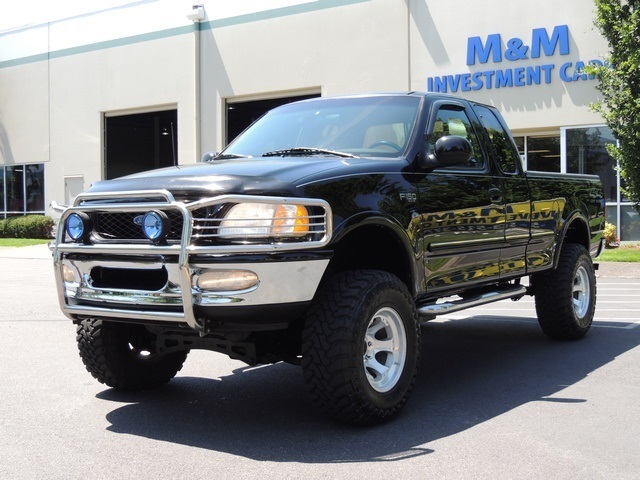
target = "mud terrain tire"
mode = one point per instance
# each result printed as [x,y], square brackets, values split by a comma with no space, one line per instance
[361,347]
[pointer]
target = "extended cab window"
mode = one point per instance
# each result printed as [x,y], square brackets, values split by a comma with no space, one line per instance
[503,148]
[453,120]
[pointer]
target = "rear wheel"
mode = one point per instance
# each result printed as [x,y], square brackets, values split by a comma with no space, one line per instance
[361,347]
[565,298]
[124,356]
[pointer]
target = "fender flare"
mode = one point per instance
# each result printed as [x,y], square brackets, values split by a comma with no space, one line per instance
[575,218]
[368,219]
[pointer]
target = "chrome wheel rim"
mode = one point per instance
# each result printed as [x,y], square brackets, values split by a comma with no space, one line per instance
[581,292]
[385,350]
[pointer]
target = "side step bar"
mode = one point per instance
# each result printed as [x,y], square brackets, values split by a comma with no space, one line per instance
[432,310]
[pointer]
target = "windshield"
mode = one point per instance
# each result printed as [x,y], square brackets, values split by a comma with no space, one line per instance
[376,126]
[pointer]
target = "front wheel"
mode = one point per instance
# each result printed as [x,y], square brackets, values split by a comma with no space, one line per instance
[124,356]
[565,298]
[361,347]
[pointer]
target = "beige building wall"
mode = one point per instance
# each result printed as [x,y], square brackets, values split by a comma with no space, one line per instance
[439,37]
[58,81]
[24,115]
[356,47]
[121,80]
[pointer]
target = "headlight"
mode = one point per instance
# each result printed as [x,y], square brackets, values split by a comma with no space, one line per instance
[78,226]
[265,220]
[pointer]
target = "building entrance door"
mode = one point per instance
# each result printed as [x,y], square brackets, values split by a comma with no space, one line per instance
[139,142]
[240,115]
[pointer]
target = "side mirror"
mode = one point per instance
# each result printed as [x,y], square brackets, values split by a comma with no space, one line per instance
[449,150]
[209,157]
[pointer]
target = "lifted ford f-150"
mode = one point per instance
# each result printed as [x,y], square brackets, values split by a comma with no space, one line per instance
[323,236]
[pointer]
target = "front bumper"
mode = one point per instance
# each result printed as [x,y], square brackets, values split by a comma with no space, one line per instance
[160,283]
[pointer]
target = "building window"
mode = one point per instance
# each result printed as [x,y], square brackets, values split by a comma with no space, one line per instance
[543,153]
[540,152]
[628,222]
[15,189]
[21,189]
[2,194]
[34,191]
[584,150]
[587,153]
[520,144]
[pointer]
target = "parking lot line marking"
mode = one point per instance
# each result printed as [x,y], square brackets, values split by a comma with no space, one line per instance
[628,326]
[621,323]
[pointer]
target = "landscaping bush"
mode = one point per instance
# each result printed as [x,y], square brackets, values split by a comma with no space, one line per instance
[609,234]
[28,226]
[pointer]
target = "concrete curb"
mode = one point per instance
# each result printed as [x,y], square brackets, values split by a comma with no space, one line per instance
[618,269]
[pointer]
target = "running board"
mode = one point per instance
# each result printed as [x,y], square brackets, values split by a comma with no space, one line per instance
[435,309]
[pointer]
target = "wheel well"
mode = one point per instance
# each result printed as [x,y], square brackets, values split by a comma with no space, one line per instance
[373,247]
[577,232]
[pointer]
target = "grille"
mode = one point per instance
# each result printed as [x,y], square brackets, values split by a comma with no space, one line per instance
[121,226]
[110,226]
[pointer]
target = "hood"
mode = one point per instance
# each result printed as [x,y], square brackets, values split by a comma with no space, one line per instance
[249,176]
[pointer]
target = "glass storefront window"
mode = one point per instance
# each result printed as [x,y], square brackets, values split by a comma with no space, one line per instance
[629,229]
[15,188]
[623,196]
[34,184]
[612,215]
[543,153]
[520,144]
[21,189]
[587,153]
[2,205]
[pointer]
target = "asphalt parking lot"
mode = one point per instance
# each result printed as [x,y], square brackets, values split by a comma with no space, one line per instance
[494,398]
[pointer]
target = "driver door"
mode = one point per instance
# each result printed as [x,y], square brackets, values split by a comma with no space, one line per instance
[461,217]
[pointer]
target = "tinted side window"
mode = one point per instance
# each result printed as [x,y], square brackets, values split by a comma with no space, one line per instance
[452,120]
[503,150]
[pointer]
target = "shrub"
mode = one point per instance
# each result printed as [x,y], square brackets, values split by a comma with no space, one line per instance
[28,226]
[609,235]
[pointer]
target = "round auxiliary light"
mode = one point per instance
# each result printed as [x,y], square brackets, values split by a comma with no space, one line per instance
[78,226]
[155,225]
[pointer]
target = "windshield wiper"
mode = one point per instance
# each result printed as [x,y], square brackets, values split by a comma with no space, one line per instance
[226,156]
[306,151]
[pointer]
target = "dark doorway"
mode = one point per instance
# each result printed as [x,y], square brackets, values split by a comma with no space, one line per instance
[144,141]
[242,114]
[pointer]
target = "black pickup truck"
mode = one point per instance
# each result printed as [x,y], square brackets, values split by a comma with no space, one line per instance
[323,236]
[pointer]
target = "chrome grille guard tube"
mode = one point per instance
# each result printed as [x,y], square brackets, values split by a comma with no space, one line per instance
[123,202]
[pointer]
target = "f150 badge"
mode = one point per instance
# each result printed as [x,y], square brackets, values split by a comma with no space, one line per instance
[409,197]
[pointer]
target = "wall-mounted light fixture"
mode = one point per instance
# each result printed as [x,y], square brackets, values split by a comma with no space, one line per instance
[196,14]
